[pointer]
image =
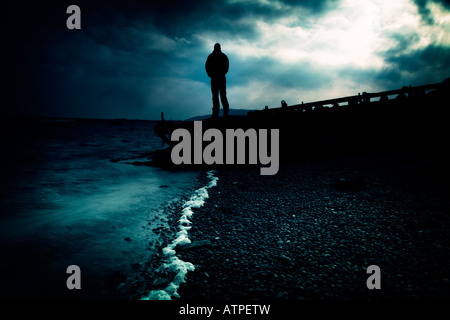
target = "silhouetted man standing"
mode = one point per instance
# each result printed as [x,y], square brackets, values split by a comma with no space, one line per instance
[217,67]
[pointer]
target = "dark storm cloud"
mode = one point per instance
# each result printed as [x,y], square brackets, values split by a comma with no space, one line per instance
[303,75]
[136,58]
[102,70]
[402,68]
[413,66]
[402,42]
[421,66]
[124,52]
[313,5]
[115,75]
[227,19]
[424,10]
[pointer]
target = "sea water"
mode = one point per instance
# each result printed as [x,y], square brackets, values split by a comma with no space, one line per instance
[172,263]
[63,202]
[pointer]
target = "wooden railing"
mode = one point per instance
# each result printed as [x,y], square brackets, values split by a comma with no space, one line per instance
[353,100]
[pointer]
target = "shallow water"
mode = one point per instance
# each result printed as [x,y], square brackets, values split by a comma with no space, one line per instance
[65,203]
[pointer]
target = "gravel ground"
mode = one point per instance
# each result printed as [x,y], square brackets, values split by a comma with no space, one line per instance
[296,236]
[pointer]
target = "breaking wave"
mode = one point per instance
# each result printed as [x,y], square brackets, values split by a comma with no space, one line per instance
[173,263]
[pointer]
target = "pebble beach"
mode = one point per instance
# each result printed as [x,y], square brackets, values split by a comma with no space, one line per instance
[300,235]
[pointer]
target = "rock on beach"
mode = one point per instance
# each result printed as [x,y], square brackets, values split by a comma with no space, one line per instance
[296,236]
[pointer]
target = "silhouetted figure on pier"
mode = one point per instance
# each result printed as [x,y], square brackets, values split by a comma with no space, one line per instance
[216,67]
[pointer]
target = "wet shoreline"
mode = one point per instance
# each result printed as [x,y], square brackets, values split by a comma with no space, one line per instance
[298,236]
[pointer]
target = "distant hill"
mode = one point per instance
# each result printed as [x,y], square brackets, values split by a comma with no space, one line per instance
[232,112]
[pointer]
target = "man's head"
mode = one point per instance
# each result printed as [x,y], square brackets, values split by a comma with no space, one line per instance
[217,46]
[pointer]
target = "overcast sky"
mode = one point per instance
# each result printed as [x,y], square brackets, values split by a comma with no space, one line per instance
[135,59]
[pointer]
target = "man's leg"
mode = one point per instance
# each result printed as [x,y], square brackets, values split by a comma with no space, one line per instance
[215,98]
[223,97]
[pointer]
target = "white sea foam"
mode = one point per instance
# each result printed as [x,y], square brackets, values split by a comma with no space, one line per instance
[173,263]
